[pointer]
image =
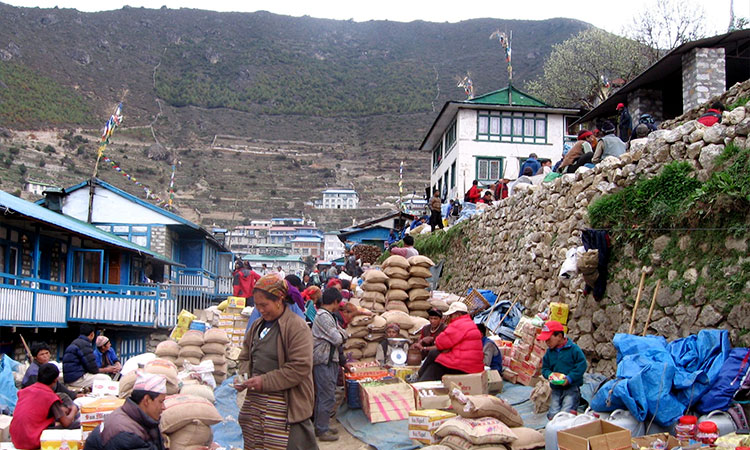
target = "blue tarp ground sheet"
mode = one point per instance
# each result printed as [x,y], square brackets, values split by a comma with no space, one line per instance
[394,435]
[227,433]
[660,380]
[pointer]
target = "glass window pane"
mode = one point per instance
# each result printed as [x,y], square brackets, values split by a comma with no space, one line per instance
[517,126]
[120,229]
[139,229]
[494,125]
[483,124]
[506,126]
[482,169]
[541,128]
[140,240]
[494,170]
[528,127]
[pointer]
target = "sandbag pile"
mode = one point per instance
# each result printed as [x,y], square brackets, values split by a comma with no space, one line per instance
[417,285]
[186,421]
[215,343]
[397,269]
[374,288]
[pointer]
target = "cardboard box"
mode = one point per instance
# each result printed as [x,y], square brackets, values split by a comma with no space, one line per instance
[539,350]
[105,388]
[386,400]
[233,310]
[645,441]
[236,302]
[510,375]
[57,439]
[558,312]
[596,435]
[516,365]
[5,428]
[494,381]
[226,316]
[226,323]
[431,395]
[428,419]
[470,384]
[241,323]
[424,437]
[527,380]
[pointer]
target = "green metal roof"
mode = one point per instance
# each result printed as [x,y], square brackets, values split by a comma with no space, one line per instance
[500,97]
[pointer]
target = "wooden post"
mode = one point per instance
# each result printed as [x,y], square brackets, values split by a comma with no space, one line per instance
[637,301]
[510,308]
[651,308]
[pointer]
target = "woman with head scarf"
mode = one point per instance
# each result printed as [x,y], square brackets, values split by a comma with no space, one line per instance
[277,359]
[383,354]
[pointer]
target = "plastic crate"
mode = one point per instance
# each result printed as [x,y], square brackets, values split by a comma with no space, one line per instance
[352,394]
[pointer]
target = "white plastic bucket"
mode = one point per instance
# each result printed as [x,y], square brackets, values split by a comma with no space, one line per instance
[723,421]
[562,421]
[623,418]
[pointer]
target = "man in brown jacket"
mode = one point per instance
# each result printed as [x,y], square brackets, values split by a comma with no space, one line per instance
[436,219]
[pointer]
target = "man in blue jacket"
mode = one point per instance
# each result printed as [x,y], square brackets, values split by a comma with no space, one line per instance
[79,362]
[565,361]
[531,162]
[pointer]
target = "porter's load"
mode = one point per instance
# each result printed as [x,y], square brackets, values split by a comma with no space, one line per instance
[194,434]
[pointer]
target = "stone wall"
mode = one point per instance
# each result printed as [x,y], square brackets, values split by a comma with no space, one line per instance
[516,248]
[703,76]
[645,101]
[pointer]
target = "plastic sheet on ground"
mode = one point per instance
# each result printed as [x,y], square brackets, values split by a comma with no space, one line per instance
[227,433]
[491,318]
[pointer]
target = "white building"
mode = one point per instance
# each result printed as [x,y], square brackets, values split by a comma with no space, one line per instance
[340,199]
[333,248]
[38,187]
[489,137]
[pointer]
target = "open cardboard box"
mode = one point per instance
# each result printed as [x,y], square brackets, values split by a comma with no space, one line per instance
[645,441]
[439,399]
[470,384]
[596,435]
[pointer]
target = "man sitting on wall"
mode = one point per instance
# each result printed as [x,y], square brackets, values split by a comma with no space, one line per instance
[106,358]
[79,363]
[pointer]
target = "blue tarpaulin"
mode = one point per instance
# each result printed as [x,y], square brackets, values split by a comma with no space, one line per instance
[660,380]
[491,317]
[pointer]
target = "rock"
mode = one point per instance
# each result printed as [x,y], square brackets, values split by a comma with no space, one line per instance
[584,326]
[636,148]
[739,317]
[714,134]
[690,275]
[587,344]
[677,150]
[694,149]
[734,116]
[738,244]
[672,275]
[686,316]
[708,156]
[661,243]
[666,298]
[665,327]
[673,136]
[743,128]
[684,242]
[661,155]
[606,350]
[709,317]
[696,135]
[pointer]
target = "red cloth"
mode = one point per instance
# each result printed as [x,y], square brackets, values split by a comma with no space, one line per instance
[463,343]
[710,117]
[247,283]
[474,194]
[32,415]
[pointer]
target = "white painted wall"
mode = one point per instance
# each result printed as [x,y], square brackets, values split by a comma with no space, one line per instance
[109,207]
[333,247]
[467,148]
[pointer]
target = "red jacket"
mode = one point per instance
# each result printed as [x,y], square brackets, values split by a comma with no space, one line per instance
[32,415]
[474,194]
[463,343]
[710,117]
[246,284]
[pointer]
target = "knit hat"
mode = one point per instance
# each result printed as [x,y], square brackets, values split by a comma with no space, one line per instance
[101,341]
[151,382]
[608,127]
[583,134]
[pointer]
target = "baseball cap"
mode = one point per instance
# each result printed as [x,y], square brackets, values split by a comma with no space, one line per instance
[457,307]
[550,327]
[620,106]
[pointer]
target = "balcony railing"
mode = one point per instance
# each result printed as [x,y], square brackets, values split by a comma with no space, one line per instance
[31,307]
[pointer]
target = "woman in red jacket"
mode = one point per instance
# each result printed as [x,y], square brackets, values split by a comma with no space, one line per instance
[459,347]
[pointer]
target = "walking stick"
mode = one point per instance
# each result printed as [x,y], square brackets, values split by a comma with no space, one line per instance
[637,301]
[506,315]
[494,305]
[651,309]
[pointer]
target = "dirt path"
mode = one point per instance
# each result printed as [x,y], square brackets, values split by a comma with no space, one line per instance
[346,441]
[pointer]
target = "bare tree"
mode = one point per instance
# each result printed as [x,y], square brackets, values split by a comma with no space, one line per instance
[667,24]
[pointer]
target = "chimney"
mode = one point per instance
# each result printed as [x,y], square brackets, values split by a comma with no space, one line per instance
[703,76]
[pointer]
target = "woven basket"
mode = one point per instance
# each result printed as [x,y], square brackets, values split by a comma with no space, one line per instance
[475,302]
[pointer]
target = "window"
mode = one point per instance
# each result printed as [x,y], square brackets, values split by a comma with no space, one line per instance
[506,126]
[489,169]
[450,137]
[437,155]
[453,174]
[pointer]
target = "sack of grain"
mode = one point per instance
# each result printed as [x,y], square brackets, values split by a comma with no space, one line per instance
[374,276]
[192,351]
[201,390]
[371,296]
[181,410]
[396,294]
[486,430]
[419,313]
[483,405]
[398,283]
[216,359]
[419,294]
[378,324]
[168,348]
[395,305]
[166,368]
[127,382]
[370,350]
[420,260]
[214,348]
[194,433]
[438,304]
[215,336]
[355,343]
[418,282]
[221,369]
[374,287]
[419,271]
[359,321]
[191,337]
[353,353]
[417,324]
[357,332]
[419,305]
[401,318]
[396,261]
[397,272]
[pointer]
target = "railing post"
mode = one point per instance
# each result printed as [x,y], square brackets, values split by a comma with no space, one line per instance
[156,307]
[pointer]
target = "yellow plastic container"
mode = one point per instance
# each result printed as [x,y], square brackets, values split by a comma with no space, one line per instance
[559,312]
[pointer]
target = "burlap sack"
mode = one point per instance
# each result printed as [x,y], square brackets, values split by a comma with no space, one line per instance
[215,336]
[540,396]
[216,359]
[359,321]
[401,318]
[528,439]
[166,368]
[419,313]
[483,405]
[397,272]
[167,348]
[192,360]
[418,282]
[353,353]
[371,296]
[419,271]
[395,294]
[194,433]
[191,337]
[372,337]
[374,287]
[357,332]
[396,261]
[486,430]
[171,359]
[418,323]
[419,305]
[355,343]
[192,351]
[398,283]
[370,350]
[201,390]
[421,260]
[419,294]
[219,378]
[214,348]
[221,369]
[453,442]
[374,276]
[181,410]
[378,324]
[378,308]
[395,305]
[127,382]
[438,304]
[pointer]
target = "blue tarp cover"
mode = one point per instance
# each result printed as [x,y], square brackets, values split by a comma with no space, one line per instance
[661,380]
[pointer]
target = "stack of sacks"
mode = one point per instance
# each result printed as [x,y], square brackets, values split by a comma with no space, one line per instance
[357,330]
[404,321]
[157,366]
[187,420]
[397,269]
[190,348]
[417,324]
[168,350]
[376,332]
[374,289]
[419,296]
[194,387]
[215,342]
